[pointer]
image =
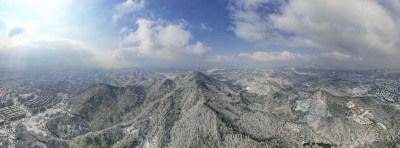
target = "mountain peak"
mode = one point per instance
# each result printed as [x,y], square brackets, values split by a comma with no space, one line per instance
[197,75]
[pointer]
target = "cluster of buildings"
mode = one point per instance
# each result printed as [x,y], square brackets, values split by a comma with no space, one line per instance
[387,90]
[12,113]
[24,94]
[41,103]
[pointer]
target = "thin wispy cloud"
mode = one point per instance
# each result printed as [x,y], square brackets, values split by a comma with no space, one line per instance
[127,7]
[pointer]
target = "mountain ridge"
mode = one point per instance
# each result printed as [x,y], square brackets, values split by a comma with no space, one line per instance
[195,110]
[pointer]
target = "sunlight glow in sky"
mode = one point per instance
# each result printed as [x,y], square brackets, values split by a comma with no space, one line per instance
[126,33]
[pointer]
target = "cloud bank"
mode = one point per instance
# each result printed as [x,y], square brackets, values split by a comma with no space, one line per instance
[361,28]
[276,56]
[48,53]
[222,58]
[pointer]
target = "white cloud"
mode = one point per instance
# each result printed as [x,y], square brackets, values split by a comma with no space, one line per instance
[159,40]
[336,55]
[127,7]
[360,26]
[50,53]
[124,30]
[8,43]
[221,58]
[197,49]
[277,56]
[366,28]
[249,24]
[296,58]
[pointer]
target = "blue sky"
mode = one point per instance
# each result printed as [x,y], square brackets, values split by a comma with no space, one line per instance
[139,33]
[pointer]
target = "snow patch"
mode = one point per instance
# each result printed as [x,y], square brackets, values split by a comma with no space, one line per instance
[302,105]
[248,88]
[150,143]
[383,126]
